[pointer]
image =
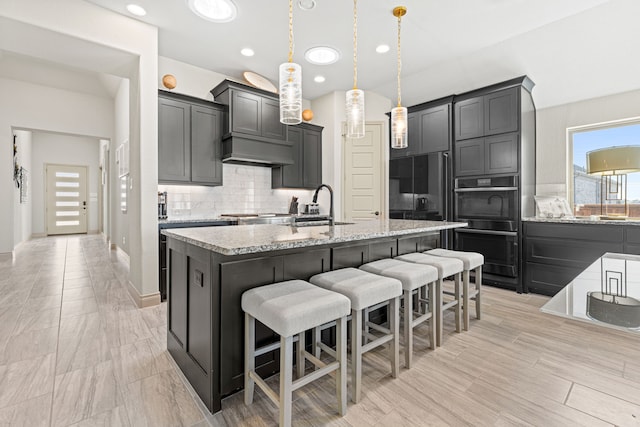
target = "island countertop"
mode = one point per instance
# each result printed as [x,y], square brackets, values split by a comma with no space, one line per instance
[584,220]
[247,239]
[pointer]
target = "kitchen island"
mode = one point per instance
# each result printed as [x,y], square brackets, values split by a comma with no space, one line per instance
[209,268]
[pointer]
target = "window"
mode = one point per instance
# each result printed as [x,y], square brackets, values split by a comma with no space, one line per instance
[586,188]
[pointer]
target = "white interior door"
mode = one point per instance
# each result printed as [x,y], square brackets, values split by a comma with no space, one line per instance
[363,175]
[66,199]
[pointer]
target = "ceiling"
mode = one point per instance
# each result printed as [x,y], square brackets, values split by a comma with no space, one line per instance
[572,49]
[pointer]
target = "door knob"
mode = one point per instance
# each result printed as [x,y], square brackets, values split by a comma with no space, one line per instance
[376,213]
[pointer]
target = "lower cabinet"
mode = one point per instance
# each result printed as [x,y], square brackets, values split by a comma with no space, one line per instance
[555,254]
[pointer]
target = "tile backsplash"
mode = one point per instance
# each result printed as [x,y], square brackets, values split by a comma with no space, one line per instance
[246,189]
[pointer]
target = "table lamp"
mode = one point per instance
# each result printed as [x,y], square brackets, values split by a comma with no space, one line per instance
[613,164]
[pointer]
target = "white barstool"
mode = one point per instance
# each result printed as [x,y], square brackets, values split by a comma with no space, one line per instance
[414,277]
[364,290]
[446,267]
[470,261]
[290,308]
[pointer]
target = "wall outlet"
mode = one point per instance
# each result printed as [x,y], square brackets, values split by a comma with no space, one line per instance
[124,240]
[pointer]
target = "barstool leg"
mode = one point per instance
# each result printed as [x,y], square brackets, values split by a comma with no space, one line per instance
[341,373]
[249,356]
[433,322]
[479,289]
[457,310]
[286,380]
[316,337]
[300,362]
[394,325]
[408,328]
[356,355]
[465,298]
[438,307]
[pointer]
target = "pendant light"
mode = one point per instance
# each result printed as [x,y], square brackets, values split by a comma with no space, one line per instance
[355,97]
[290,83]
[399,116]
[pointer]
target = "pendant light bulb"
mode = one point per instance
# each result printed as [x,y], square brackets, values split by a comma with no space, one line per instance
[290,83]
[355,98]
[399,115]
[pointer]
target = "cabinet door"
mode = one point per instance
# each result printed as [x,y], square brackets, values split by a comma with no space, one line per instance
[206,145]
[291,175]
[435,131]
[244,275]
[501,154]
[199,331]
[470,157]
[469,118]
[246,110]
[303,265]
[312,159]
[501,112]
[349,256]
[174,141]
[413,138]
[271,126]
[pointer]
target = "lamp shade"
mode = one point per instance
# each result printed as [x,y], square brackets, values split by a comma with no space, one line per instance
[614,160]
[290,93]
[355,113]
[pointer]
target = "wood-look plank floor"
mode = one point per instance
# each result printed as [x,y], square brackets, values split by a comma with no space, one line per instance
[74,350]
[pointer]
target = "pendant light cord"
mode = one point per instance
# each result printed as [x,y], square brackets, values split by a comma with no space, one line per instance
[355,44]
[290,30]
[399,62]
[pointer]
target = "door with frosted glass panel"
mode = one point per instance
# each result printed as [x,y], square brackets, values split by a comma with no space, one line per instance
[66,199]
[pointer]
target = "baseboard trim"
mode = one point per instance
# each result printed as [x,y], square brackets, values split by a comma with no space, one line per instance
[38,235]
[143,301]
[6,256]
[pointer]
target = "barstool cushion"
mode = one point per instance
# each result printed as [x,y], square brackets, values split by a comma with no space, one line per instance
[410,274]
[291,307]
[362,288]
[470,260]
[446,266]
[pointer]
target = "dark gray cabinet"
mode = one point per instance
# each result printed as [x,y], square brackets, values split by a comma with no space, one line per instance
[487,156]
[189,140]
[428,131]
[490,114]
[256,115]
[555,254]
[306,171]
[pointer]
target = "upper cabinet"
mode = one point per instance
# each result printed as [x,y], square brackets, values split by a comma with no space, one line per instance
[253,132]
[306,171]
[429,129]
[484,115]
[189,140]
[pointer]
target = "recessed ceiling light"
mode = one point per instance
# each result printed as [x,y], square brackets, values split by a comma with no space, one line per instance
[247,52]
[306,4]
[136,9]
[383,48]
[319,79]
[214,10]
[322,55]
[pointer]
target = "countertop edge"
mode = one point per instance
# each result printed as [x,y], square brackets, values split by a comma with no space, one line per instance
[582,221]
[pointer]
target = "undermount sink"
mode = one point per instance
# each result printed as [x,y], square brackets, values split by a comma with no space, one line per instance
[316,223]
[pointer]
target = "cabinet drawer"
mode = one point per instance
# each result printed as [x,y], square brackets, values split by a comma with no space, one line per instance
[575,254]
[591,232]
[548,279]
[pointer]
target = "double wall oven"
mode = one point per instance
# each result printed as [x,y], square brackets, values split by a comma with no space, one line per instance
[491,207]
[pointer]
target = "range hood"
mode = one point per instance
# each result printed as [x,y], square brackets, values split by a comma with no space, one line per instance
[252,132]
[246,149]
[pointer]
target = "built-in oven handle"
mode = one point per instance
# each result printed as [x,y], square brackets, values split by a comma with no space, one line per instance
[468,190]
[494,232]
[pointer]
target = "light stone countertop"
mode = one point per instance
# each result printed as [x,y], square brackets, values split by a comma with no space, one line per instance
[247,239]
[584,220]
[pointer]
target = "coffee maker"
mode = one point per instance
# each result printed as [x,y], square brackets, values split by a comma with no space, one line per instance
[162,205]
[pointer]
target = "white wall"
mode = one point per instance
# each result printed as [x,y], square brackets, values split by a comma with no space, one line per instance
[551,138]
[22,211]
[60,149]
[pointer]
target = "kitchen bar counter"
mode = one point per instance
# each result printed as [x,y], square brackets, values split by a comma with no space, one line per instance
[247,239]
[584,220]
[210,268]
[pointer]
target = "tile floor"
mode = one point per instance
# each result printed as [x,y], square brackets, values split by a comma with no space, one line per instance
[75,350]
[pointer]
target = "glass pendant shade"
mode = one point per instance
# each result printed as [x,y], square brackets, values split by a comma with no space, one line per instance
[399,124]
[355,113]
[290,93]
